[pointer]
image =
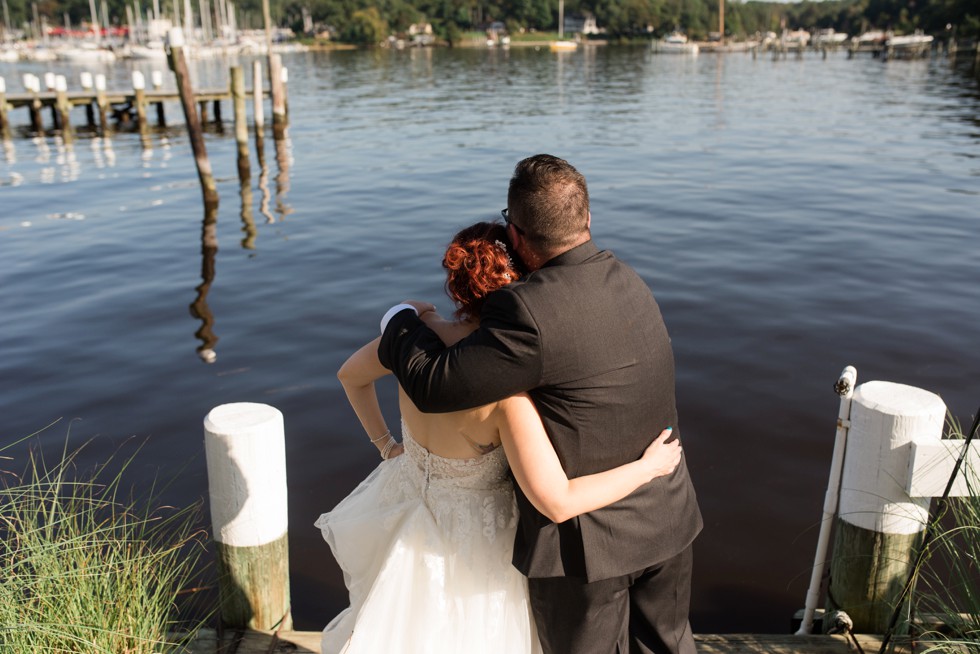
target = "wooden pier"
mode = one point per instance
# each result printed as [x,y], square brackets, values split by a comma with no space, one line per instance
[124,105]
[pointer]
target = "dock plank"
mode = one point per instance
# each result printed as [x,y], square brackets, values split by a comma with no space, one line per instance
[308,642]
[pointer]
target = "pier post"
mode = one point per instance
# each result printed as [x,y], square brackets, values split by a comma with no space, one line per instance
[246,461]
[258,109]
[157,78]
[237,83]
[87,84]
[33,84]
[102,103]
[203,106]
[64,107]
[879,526]
[277,91]
[139,99]
[50,84]
[178,64]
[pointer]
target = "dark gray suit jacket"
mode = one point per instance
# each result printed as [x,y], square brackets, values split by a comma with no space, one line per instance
[585,338]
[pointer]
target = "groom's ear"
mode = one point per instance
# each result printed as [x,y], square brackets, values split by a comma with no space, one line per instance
[588,221]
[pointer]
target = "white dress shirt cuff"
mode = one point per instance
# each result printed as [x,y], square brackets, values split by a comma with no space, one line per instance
[398,308]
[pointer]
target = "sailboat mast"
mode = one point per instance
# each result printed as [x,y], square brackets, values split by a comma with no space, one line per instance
[561,19]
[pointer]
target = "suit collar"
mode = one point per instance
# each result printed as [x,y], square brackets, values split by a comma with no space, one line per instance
[576,255]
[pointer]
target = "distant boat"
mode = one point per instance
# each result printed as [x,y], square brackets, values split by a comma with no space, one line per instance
[909,41]
[829,37]
[675,43]
[797,38]
[562,45]
[148,50]
[86,53]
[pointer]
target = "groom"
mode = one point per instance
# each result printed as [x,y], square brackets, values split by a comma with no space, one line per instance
[582,334]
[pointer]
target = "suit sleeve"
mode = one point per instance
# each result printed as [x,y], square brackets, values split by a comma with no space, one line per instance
[501,358]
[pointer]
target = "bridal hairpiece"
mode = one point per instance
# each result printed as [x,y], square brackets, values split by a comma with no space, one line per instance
[510,262]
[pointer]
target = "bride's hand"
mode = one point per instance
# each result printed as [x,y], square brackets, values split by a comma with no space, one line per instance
[661,457]
[420,306]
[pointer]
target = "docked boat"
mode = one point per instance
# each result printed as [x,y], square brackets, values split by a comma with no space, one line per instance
[675,43]
[909,41]
[86,53]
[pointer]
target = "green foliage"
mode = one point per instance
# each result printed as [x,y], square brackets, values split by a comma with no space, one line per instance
[366,27]
[360,20]
[86,568]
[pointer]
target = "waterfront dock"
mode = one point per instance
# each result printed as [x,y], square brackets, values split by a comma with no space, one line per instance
[123,104]
[308,642]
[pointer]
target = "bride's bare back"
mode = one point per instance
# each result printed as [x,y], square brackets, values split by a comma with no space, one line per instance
[460,434]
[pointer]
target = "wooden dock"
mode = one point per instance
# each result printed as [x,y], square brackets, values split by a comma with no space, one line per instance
[120,103]
[308,642]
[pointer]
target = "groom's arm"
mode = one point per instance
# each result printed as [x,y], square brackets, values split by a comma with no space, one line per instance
[499,359]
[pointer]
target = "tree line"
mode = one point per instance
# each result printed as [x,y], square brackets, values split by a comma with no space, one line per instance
[368,21]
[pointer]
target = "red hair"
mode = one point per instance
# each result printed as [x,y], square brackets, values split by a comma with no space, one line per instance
[477,262]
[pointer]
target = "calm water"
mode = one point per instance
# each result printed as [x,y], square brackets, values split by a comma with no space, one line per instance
[792,217]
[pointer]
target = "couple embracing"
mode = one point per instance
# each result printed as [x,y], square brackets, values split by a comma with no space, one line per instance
[538,500]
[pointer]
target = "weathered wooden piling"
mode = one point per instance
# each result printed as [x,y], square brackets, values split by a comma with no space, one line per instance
[50,83]
[258,110]
[277,90]
[879,524]
[179,66]
[157,79]
[246,460]
[101,103]
[87,83]
[237,84]
[64,108]
[32,84]
[139,99]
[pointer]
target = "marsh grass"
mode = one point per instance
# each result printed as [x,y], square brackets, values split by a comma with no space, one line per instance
[88,566]
[948,585]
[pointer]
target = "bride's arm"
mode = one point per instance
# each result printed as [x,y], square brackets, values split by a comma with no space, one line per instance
[357,376]
[538,471]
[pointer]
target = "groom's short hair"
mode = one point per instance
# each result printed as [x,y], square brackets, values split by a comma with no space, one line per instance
[548,201]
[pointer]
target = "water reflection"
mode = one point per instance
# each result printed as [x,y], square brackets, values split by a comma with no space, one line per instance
[9,152]
[199,307]
[263,178]
[284,158]
[245,192]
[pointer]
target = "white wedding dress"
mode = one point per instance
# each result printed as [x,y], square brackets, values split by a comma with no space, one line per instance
[425,545]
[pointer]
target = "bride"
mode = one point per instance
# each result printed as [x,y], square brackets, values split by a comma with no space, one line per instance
[425,541]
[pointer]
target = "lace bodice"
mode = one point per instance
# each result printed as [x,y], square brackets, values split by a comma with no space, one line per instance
[467,497]
[479,473]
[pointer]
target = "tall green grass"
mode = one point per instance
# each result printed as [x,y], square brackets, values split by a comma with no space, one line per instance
[948,586]
[86,565]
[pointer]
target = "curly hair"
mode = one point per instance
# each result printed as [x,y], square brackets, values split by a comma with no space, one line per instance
[477,262]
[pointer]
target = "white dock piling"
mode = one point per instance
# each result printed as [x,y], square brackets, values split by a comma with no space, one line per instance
[246,458]
[879,526]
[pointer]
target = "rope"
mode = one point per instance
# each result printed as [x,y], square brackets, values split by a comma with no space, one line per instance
[927,539]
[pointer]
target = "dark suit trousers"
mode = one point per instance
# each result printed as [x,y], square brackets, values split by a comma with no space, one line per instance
[640,613]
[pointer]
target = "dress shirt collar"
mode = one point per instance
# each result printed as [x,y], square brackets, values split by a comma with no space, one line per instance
[577,254]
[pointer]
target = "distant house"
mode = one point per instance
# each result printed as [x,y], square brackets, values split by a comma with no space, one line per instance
[581,24]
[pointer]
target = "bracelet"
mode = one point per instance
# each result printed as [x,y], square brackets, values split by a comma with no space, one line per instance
[386,450]
[387,433]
